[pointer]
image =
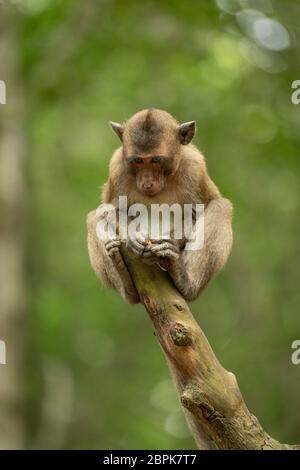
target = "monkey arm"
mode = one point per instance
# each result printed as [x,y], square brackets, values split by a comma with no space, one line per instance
[108,262]
[192,270]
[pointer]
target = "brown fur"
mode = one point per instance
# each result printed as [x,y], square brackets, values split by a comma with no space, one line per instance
[190,182]
[155,132]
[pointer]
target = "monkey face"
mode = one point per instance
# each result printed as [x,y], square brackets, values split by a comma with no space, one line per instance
[151,147]
[149,173]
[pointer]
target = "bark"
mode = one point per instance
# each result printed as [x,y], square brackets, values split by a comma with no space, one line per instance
[216,413]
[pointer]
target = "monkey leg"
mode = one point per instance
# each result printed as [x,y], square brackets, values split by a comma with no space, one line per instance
[193,269]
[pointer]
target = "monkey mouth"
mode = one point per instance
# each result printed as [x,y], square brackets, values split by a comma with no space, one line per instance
[150,192]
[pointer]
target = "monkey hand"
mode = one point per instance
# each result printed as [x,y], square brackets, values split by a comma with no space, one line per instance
[163,252]
[112,246]
[137,242]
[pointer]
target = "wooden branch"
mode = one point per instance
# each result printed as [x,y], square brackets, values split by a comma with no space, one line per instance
[216,413]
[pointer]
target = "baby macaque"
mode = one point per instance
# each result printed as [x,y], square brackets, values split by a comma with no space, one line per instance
[158,164]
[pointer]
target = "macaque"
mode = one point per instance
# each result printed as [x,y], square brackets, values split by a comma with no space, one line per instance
[156,164]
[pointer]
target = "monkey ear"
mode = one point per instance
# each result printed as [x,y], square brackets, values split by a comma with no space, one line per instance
[186,132]
[118,128]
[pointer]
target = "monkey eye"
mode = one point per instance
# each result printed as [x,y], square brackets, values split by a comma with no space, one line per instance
[156,159]
[138,160]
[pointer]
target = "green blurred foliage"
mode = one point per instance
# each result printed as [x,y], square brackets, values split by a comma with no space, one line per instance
[96,377]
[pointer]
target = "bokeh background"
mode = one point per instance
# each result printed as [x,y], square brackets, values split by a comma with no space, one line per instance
[83,368]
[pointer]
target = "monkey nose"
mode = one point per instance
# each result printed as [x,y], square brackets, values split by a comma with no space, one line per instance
[147,185]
